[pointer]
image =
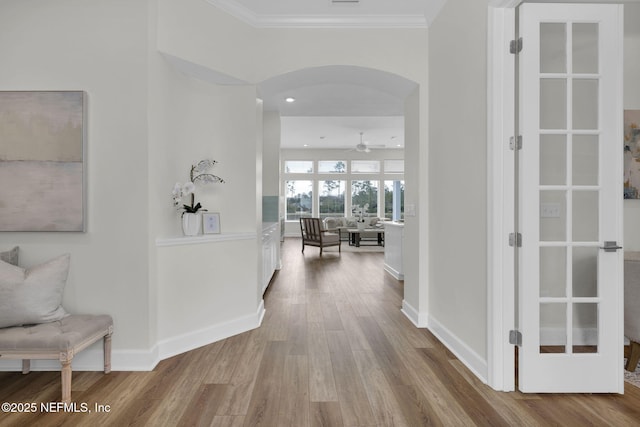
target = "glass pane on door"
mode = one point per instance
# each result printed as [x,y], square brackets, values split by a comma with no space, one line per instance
[553,104]
[553,159]
[553,271]
[585,326]
[585,104]
[585,216]
[553,47]
[585,272]
[553,218]
[585,160]
[585,48]
[553,328]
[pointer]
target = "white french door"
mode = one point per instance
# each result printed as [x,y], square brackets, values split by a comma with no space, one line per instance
[570,200]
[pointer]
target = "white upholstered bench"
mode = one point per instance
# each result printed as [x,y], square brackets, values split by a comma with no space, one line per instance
[61,340]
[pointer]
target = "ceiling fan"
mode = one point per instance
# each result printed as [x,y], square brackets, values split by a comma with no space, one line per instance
[365,147]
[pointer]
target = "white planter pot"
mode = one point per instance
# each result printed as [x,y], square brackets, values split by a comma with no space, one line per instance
[361,225]
[191,224]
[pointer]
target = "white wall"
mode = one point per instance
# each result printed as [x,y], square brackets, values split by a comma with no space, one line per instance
[632,102]
[415,250]
[458,176]
[202,285]
[271,154]
[147,124]
[187,30]
[99,47]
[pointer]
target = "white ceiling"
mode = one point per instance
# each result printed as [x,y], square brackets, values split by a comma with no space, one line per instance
[334,104]
[342,132]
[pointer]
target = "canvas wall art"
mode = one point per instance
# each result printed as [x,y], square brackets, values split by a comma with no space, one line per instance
[42,161]
[632,154]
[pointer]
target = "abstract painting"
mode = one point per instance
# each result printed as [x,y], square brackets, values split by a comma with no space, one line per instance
[632,154]
[42,161]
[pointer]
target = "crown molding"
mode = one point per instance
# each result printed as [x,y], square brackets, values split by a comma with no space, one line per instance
[318,21]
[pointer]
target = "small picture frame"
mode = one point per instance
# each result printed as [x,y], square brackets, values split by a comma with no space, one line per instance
[211,223]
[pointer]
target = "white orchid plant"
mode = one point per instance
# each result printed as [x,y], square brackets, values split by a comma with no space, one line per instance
[360,211]
[198,173]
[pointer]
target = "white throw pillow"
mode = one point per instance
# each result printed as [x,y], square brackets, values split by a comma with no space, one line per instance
[33,295]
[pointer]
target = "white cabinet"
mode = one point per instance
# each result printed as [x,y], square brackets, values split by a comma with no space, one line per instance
[393,240]
[270,252]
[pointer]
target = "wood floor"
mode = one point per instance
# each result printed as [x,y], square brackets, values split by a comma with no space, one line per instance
[334,350]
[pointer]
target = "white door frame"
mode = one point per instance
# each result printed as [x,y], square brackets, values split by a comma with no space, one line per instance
[500,188]
[501,193]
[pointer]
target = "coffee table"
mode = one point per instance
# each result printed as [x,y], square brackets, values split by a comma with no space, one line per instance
[355,239]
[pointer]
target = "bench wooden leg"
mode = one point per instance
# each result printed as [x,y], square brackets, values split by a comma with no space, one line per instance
[634,357]
[66,381]
[107,353]
[26,366]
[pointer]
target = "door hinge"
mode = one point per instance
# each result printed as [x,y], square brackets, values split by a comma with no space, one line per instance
[515,46]
[515,142]
[515,239]
[515,337]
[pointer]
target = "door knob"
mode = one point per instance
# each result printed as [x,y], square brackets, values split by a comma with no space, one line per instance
[610,246]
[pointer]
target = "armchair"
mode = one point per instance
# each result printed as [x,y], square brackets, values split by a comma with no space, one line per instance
[314,235]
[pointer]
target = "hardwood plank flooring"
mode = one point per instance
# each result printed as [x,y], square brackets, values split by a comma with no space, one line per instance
[333,350]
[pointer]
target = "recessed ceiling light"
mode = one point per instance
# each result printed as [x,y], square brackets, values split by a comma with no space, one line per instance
[305,145]
[290,99]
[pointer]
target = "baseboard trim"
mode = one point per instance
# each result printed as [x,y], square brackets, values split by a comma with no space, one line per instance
[420,320]
[91,359]
[392,271]
[463,352]
[192,340]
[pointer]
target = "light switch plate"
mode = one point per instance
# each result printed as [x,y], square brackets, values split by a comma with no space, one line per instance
[409,210]
[550,210]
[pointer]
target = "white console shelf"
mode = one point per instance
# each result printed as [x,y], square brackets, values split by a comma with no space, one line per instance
[204,238]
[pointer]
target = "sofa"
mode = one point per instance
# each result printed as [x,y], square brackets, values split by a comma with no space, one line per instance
[341,224]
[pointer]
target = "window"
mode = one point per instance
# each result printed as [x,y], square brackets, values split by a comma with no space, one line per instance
[394,166]
[365,166]
[299,199]
[363,193]
[394,200]
[298,166]
[331,198]
[332,188]
[332,166]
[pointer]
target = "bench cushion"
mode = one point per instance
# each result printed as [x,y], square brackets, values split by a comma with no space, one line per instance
[33,295]
[64,335]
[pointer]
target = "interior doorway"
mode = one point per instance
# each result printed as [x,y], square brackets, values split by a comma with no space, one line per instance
[332,111]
